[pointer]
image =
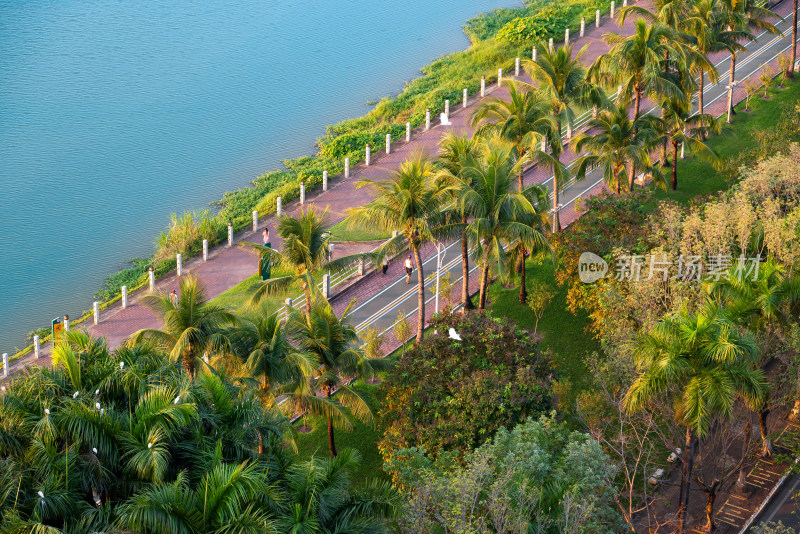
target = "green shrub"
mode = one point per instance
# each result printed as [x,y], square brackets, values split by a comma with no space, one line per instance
[551,21]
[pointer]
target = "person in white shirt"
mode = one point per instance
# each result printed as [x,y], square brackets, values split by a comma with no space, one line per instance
[409,268]
[385,265]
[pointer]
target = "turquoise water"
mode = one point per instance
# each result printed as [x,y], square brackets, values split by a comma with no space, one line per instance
[115,114]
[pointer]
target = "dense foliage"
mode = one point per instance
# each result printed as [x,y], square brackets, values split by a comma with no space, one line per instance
[538,477]
[448,395]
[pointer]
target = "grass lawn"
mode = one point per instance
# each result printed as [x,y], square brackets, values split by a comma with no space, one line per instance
[236,297]
[363,438]
[340,232]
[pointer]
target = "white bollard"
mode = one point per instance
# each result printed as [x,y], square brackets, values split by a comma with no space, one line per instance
[326,285]
[394,233]
[288,303]
[151,273]
[682,147]
[96,312]
[597,19]
[612,9]
[499,77]
[330,251]
[464,99]
[366,159]
[5,364]
[347,168]
[255,221]
[66,323]
[447,109]
[408,132]
[583,25]
[533,53]
[361,267]
[36,347]
[516,67]
[427,118]
[303,192]
[230,234]
[124,296]
[324,180]
[624,3]
[205,241]
[388,143]
[550,44]
[279,211]
[543,148]
[483,86]
[179,258]
[566,37]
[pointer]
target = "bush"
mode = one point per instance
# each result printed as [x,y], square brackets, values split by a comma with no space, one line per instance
[446,395]
[551,21]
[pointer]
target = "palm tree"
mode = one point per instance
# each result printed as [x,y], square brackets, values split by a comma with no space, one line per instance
[637,62]
[496,211]
[412,201]
[320,499]
[521,120]
[304,251]
[455,151]
[679,126]
[225,500]
[744,16]
[332,341]
[707,26]
[615,148]
[552,162]
[192,326]
[702,363]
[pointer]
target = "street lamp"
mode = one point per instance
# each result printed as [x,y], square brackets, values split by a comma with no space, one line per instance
[440,254]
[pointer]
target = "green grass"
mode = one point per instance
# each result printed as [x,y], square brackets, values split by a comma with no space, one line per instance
[236,298]
[340,232]
[363,438]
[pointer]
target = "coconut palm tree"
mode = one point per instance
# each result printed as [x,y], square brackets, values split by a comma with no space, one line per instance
[332,341]
[637,63]
[707,26]
[680,127]
[496,211]
[702,364]
[746,16]
[412,201]
[615,148]
[552,162]
[522,119]
[454,152]
[304,252]
[192,326]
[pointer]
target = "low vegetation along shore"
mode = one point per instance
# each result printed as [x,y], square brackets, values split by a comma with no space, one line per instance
[443,79]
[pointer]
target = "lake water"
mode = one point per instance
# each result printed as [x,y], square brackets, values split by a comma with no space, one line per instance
[115,114]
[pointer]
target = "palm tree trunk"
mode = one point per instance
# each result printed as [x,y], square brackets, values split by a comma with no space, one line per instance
[637,100]
[523,291]
[465,298]
[686,480]
[421,299]
[188,362]
[766,444]
[794,39]
[731,79]
[674,165]
[663,159]
[484,283]
[711,495]
[556,218]
[331,442]
[631,176]
[741,483]
[700,89]
[521,153]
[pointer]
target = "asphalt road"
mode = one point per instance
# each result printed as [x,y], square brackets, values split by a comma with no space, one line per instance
[784,507]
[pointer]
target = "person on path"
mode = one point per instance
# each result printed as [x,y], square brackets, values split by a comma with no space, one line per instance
[385,265]
[173,295]
[409,269]
[265,233]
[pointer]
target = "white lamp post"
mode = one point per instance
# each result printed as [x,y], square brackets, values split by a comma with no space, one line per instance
[440,254]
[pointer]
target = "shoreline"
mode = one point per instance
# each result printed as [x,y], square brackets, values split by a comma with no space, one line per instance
[285,181]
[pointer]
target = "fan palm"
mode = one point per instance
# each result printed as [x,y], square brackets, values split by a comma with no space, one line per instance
[522,120]
[702,363]
[192,326]
[411,200]
[333,343]
[637,63]
[615,148]
[454,151]
[497,211]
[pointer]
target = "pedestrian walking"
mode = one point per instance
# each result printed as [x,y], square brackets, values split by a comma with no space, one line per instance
[385,264]
[265,234]
[409,269]
[173,296]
